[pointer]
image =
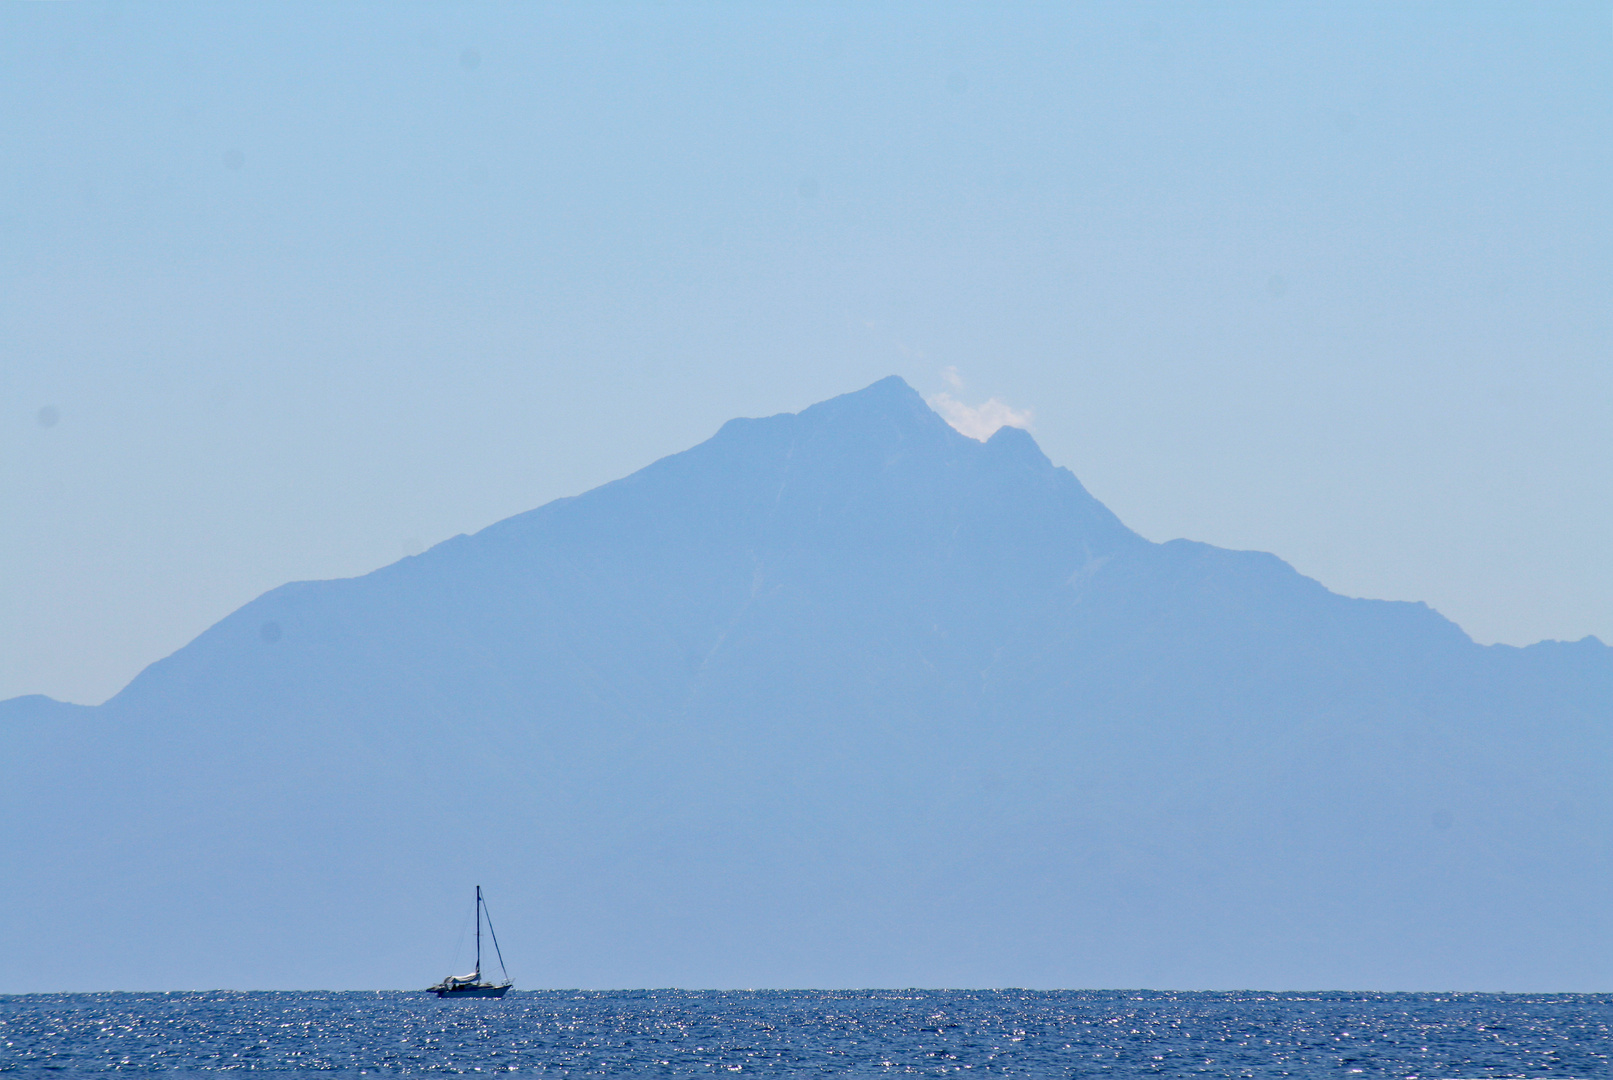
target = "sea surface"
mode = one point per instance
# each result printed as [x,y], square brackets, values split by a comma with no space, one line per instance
[675,1033]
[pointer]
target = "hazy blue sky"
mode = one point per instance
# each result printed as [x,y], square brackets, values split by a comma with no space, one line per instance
[290,291]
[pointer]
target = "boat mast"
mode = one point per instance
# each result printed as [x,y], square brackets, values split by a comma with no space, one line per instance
[478,933]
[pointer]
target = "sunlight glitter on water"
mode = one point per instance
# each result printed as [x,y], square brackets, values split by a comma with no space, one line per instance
[818,1033]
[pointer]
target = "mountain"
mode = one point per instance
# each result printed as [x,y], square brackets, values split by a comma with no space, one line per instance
[839,698]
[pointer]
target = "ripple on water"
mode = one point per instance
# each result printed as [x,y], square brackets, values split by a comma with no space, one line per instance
[674,1033]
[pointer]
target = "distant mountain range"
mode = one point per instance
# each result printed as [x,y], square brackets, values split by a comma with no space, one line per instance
[839,698]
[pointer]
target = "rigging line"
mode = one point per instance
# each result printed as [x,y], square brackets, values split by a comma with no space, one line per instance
[459,946]
[496,950]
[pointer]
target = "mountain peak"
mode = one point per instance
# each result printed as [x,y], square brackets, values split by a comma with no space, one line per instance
[1017,442]
[890,400]
[891,388]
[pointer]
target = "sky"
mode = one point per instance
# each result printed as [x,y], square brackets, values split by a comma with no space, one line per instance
[290,291]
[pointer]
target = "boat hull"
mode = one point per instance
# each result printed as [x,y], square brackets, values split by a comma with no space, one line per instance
[484,990]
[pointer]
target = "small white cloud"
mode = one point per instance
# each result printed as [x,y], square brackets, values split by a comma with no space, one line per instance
[954,380]
[980,421]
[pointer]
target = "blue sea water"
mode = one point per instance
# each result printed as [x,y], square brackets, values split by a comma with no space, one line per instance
[671,1033]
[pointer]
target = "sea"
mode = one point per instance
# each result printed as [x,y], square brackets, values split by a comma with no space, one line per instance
[676,1033]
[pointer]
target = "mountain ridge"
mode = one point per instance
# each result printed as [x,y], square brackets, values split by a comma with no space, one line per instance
[891,387]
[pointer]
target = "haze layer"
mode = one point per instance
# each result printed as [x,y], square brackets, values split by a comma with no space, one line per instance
[841,698]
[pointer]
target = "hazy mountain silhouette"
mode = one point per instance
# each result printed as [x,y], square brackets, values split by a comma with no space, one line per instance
[836,698]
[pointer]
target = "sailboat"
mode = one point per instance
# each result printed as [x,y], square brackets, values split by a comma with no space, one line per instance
[472,985]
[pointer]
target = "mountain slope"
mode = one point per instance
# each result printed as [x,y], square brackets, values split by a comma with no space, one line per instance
[834,698]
